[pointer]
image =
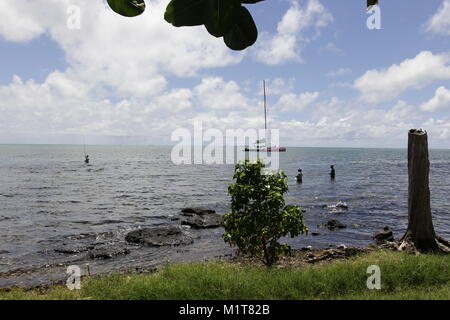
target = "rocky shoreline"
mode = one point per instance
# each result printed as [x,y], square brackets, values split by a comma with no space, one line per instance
[181,232]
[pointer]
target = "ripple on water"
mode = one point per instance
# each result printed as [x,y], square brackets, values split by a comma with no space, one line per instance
[48,198]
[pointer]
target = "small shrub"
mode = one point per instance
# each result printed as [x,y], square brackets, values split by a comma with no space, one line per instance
[259,217]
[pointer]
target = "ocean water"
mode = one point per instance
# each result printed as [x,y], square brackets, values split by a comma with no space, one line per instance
[49,199]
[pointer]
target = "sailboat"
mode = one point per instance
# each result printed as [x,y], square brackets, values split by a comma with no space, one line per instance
[262,145]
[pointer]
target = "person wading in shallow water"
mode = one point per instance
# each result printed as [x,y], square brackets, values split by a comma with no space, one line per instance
[332,172]
[86,159]
[299,176]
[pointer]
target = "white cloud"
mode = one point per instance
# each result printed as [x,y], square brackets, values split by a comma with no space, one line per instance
[292,102]
[56,108]
[18,20]
[418,72]
[216,94]
[287,43]
[336,124]
[279,86]
[133,56]
[440,101]
[439,23]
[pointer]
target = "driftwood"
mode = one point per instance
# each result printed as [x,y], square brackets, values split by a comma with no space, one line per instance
[420,234]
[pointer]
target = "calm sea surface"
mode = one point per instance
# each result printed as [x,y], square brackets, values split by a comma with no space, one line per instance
[49,199]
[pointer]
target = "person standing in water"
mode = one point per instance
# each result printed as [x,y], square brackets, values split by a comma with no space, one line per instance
[299,176]
[332,172]
[86,159]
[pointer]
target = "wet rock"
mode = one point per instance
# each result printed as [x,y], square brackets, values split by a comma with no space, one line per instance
[4,251]
[315,234]
[159,236]
[211,220]
[201,218]
[384,236]
[191,211]
[107,252]
[334,225]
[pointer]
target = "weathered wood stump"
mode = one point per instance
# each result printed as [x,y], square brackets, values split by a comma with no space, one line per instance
[420,234]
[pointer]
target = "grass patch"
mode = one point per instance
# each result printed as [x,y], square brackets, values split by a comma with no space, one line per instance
[403,276]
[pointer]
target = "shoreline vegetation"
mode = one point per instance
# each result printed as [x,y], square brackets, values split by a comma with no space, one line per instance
[342,274]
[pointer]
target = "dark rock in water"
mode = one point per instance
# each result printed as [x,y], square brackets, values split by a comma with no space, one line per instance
[159,236]
[334,224]
[107,252]
[384,236]
[212,220]
[190,211]
[314,234]
[201,218]
[4,251]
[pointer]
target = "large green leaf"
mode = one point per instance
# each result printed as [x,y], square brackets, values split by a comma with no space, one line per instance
[185,12]
[127,8]
[219,16]
[371,3]
[250,1]
[243,33]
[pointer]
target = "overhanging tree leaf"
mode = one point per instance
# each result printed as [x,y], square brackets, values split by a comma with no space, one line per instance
[243,33]
[371,3]
[127,8]
[185,12]
[250,1]
[219,16]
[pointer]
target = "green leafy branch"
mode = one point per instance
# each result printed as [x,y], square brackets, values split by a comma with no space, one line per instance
[222,18]
[227,19]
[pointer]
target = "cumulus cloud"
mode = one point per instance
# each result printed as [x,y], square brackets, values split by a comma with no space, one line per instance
[440,101]
[59,107]
[439,23]
[133,56]
[18,22]
[336,124]
[418,72]
[116,82]
[216,94]
[279,86]
[291,36]
[292,102]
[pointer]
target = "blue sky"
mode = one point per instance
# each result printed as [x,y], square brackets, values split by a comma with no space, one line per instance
[331,80]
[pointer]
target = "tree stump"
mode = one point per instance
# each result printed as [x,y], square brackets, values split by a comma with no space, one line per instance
[420,234]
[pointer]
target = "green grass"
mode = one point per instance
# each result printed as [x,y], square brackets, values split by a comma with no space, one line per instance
[403,276]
